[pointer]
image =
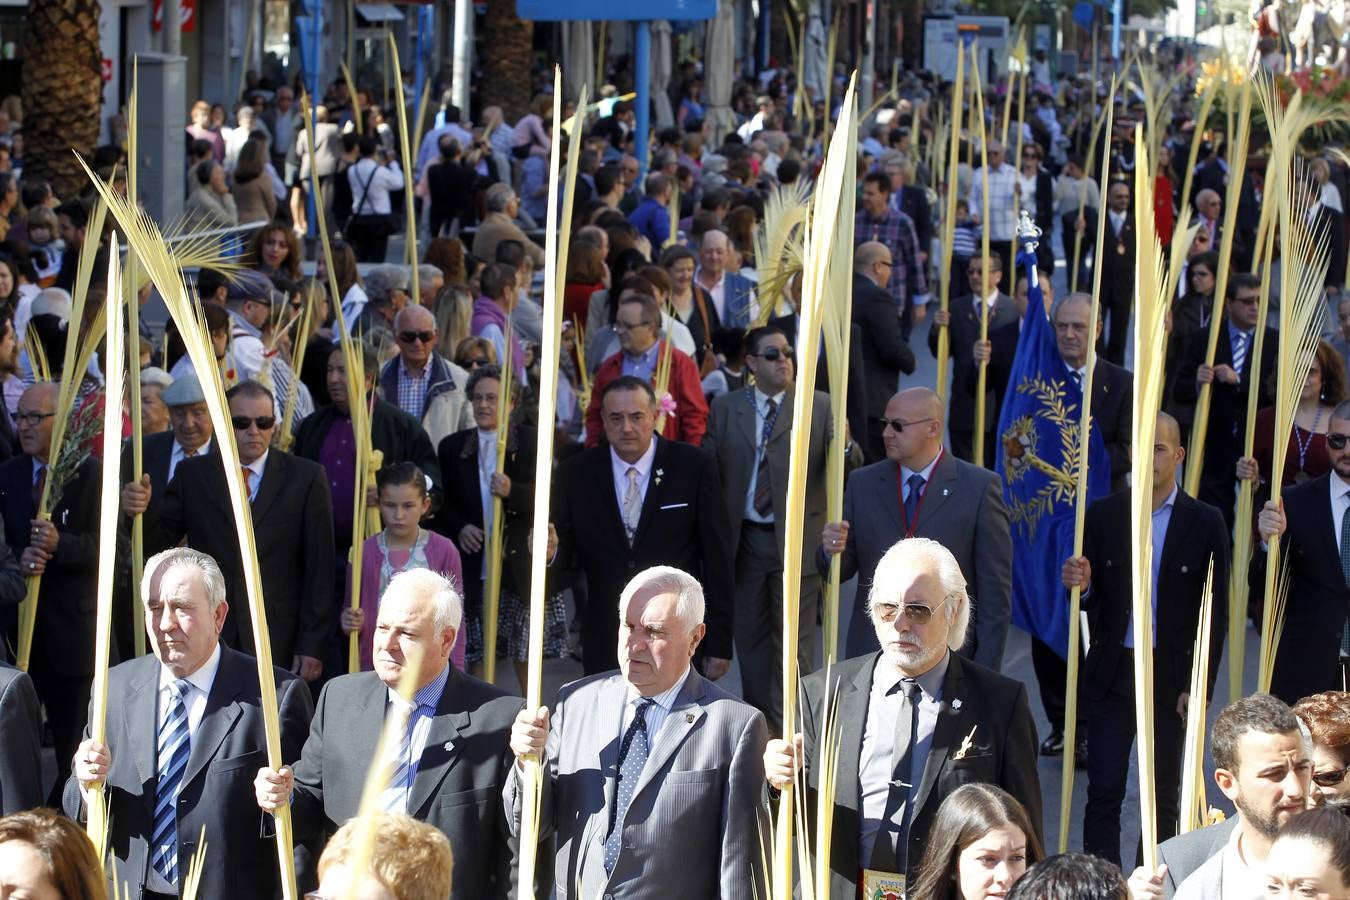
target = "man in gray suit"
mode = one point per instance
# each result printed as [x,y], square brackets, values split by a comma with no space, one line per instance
[654,778]
[21,750]
[920,490]
[452,762]
[184,734]
[1264,766]
[749,434]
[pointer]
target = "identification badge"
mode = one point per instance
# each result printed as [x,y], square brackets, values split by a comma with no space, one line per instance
[882,885]
[1120,249]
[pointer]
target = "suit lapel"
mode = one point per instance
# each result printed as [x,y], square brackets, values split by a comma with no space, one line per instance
[887,494]
[747,420]
[142,719]
[939,489]
[1178,530]
[685,714]
[784,423]
[945,733]
[274,475]
[367,723]
[442,747]
[611,698]
[217,719]
[655,492]
[852,715]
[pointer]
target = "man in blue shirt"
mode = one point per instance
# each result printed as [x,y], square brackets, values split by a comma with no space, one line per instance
[652,218]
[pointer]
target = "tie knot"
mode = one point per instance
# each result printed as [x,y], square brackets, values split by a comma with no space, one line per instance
[771,405]
[632,475]
[908,687]
[915,482]
[178,688]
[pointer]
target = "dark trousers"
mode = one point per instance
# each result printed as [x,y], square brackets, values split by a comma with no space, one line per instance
[1051,674]
[1111,732]
[759,619]
[369,237]
[874,446]
[65,699]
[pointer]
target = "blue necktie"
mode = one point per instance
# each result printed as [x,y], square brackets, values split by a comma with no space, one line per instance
[174,747]
[915,483]
[401,779]
[632,758]
[1345,570]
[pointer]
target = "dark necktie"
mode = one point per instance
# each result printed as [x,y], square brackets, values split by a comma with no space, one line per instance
[174,748]
[890,851]
[763,484]
[39,484]
[1239,353]
[915,483]
[632,758]
[1345,570]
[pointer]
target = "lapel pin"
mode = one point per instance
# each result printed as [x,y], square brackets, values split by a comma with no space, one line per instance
[689,718]
[448,746]
[966,745]
[945,492]
[956,704]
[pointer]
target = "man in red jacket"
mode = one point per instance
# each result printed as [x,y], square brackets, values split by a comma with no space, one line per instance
[638,324]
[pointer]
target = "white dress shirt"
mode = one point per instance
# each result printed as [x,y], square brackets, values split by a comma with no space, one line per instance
[257,467]
[620,469]
[194,698]
[761,417]
[1340,502]
[178,454]
[385,179]
[657,713]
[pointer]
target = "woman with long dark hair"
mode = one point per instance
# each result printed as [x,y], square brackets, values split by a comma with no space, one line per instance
[980,843]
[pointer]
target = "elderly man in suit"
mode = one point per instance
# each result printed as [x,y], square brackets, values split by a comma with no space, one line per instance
[921,490]
[64,551]
[643,501]
[1187,534]
[885,353]
[21,750]
[292,527]
[1231,379]
[1313,527]
[451,764]
[184,740]
[653,777]
[962,322]
[749,436]
[916,721]
[1263,765]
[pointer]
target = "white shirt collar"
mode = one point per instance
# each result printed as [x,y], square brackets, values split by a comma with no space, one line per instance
[762,399]
[990,300]
[1339,488]
[258,465]
[643,464]
[926,471]
[202,679]
[181,453]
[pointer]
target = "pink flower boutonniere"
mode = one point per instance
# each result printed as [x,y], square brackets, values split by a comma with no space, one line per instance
[667,405]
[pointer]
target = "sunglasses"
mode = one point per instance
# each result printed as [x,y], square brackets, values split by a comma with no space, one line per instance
[1329,779]
[899,425]
[242,423]
[408,337]
[1336,441]
[914,612]
[773,354]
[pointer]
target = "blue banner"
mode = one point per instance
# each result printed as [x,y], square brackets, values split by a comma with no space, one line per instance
[1038,456]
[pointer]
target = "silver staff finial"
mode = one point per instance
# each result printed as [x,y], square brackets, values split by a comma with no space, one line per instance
[1027,233]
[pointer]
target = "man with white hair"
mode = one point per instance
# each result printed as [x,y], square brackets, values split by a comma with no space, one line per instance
[183,716]
[653,774]
[450,764]
[503,206]
[916,722]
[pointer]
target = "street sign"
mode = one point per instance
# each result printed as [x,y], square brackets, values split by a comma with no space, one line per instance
[614,10]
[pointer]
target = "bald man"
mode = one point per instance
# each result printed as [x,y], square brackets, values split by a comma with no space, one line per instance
[421,382]
[64,551]
[922,490]
[1187,534]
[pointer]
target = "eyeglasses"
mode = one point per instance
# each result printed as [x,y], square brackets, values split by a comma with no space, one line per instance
[409,337]
[33,418]
[1330,779]
[774,353]
[914,612]
[621,327]
[242,423]
[1335,440]
[899,425]
[886,262]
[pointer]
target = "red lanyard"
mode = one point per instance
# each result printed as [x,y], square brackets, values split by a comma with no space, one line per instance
[900,495]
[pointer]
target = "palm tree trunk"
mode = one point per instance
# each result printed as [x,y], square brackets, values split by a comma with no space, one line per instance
[62,90]
[506,42]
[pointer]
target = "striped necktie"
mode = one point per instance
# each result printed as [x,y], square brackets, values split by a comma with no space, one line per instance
[174,748]
[403,767]
[632,759]
[1239,353]
[763,501]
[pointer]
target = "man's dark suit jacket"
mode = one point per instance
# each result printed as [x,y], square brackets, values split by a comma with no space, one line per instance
[964,331]
[21,749]
[683,524]
[464,506]
[985,706]
[963,510]
[1195,532]
[1117,267]
[914,203]
[1308,658]
[459,781]
[1227,402]
[293,532]
[885,354]
[228,749]
[64,635]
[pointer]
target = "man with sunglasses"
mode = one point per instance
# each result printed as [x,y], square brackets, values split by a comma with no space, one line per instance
[1313,526]
[916,721]
[421,382]
[921,490]
[749,434]
[882,347]
[292,528]
[1187,534]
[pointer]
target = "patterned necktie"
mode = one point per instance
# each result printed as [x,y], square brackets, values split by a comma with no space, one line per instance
[402,769]
[39,483]
[915,483]
[1077,377]
[889,851]
[1345,570]
[763,483]
[1239,353]
[174,747]
[248,482]
[632,758]
[632,505]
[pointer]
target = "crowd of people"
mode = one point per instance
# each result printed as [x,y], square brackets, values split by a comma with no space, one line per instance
[674,425]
